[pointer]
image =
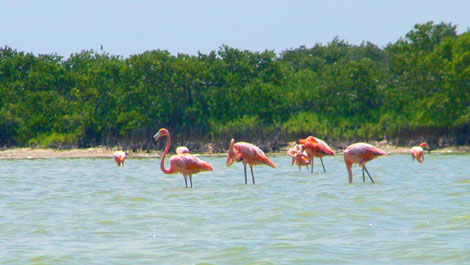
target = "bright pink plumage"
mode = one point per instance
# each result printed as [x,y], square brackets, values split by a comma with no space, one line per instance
[299,156]
[360,153]
[188,164]
[119,157]
[247,154]
[417,152]
[316,148]
[184,163]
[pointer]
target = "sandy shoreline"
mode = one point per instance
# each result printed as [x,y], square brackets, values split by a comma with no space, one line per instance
[30,153]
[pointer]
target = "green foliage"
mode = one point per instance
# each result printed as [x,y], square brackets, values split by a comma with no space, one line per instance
[417,87]
[53,140]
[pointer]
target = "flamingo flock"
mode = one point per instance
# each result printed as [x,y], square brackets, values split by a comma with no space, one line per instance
[302,154]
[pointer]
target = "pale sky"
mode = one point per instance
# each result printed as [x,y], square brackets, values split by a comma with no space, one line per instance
[188,26]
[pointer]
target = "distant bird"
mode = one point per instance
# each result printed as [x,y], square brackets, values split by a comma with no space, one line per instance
[185,163]
[120,157]
[299,156]
[316,148]
[360,153]
[418,152]
[180,150]
[247,154]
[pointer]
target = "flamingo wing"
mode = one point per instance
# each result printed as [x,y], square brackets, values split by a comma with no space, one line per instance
[253,154]
[364,151]
[315,145]
[325,148]
[189,164]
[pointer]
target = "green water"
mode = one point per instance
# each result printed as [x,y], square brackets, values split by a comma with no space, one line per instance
[88,211]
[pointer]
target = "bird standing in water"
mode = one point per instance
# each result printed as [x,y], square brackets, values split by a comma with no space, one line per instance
[299,156]
[120,157]
[183,163]
[316,148]
[360,153]
[247,154]
[417,152]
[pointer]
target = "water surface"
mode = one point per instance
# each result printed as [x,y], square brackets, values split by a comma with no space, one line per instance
[88,211]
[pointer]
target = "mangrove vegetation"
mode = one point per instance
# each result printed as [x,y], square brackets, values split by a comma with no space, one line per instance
[417,88]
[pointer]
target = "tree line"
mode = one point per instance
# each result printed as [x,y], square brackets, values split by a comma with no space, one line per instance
[415,89]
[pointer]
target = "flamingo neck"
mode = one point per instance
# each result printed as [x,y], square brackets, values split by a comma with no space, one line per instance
[162,164]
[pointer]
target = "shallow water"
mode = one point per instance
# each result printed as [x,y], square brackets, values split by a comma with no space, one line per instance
[88,211]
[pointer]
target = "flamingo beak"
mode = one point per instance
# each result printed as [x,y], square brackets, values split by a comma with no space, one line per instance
[157,136]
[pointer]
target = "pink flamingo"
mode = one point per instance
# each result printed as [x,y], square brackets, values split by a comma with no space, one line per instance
[316,148]
[360,153]
[185,163]
[418,152]
[299,156]
[248,154]
[120,157]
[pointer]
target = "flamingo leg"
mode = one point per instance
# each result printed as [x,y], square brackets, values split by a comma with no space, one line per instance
[244,166]
[311,165]
[367,171]
[363,176]
[252,176]
[191,180]
[185,180]
[321,159]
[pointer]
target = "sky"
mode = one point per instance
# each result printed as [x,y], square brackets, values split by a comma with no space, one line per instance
[124,28]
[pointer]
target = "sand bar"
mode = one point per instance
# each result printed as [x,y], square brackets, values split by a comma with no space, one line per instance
[100,152]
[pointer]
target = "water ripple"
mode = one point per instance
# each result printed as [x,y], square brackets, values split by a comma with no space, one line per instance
[88,211]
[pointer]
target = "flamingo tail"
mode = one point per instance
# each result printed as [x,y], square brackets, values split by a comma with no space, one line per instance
[378,152]
[207,166]
[268,162]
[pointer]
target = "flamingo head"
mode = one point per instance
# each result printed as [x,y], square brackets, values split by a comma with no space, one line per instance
[162,132]
[300,148]
[425,145]
[231,153]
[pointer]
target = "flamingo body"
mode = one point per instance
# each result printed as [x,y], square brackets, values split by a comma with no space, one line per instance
[247,154]
[119,157]
[299,156]
[187,164]
[183,163]
[316,148]
[417,152]
[360,153]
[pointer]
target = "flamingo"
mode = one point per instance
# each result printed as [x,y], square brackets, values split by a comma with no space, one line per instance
[360,153]
[181,150]
[120,157]
[184,163]
[316,148]
[299,156]
[248,154]
[418,152]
